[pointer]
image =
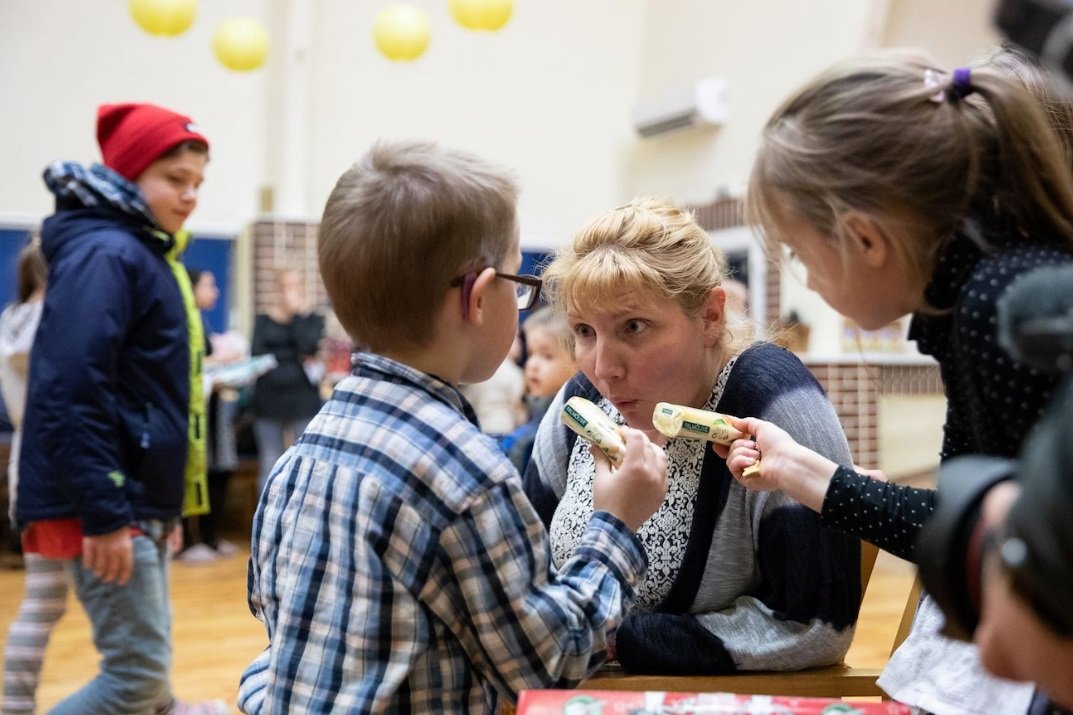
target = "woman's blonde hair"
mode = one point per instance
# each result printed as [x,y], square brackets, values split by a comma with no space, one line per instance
[650,247]
[872,135]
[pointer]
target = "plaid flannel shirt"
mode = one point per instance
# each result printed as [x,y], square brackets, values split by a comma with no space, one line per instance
[398,566]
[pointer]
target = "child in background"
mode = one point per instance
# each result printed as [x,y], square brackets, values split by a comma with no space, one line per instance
[201,543]
[119,346]
[547,368]
[396,563]
[499,401]
[904,189]
[45,600]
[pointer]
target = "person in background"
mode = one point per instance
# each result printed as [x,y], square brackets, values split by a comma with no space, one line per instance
[848,178]
[45,600]
[112,453]
[548,366]
[396,564]
[1026,621]
[201,543]
[737,300]
[285,398]
[736,582]
[499,401]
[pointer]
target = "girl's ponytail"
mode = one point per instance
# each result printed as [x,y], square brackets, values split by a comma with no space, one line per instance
[1032,180]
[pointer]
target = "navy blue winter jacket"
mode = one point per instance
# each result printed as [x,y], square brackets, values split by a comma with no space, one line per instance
[105,431]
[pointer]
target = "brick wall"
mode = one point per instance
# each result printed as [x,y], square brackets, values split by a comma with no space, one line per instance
[285,244]
[726,213]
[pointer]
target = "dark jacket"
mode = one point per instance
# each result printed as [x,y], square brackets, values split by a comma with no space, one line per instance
[285,393]
[105,432]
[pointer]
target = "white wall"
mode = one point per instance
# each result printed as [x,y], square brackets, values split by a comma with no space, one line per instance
[763,50]
[59,59]
[549,95]
[953,32]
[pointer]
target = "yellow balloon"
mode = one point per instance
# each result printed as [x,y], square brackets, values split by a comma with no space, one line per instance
[164,17]
[487,15]
[240,44]
[401,32]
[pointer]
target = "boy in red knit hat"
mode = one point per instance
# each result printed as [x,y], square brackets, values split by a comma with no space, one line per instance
[112,427]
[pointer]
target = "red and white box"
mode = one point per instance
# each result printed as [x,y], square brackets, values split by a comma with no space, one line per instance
[617,702]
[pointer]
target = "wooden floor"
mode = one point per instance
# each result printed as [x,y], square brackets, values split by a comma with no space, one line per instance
[216,637]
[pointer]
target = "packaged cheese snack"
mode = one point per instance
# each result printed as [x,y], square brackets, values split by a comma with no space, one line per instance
[593,424]
[689,422]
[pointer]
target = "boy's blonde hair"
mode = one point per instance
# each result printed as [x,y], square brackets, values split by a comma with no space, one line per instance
[650,247]
[399,226]
[872,135]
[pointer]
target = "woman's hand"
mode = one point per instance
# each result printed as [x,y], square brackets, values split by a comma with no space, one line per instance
[637,488]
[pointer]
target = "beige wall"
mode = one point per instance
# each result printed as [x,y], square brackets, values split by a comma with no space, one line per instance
[763,50]
[60,59]
[910,435]
[954,32]
[551,95]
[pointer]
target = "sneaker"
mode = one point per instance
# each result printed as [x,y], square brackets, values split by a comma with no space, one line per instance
[226,548]
[197,554]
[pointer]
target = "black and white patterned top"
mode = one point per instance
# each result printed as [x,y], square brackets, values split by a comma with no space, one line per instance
[666,533]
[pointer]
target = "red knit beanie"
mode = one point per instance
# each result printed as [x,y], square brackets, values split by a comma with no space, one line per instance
[133,136]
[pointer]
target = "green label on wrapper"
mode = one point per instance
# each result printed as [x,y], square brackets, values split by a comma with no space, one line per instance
[574,414]
[686,424]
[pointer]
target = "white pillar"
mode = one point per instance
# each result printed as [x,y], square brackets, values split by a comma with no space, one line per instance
[288,111]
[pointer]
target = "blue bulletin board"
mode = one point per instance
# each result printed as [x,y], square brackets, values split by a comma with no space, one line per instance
[215,254]
[11,242]
[206,252]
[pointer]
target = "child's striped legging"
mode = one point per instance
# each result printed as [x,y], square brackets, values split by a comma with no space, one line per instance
[42,607]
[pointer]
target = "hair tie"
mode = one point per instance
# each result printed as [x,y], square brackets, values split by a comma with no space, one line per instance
[960,84]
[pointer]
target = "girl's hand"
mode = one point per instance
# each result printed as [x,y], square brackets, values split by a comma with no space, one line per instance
[784,464]
[741,455]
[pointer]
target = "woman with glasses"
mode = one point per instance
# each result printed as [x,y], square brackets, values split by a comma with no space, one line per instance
[737,580]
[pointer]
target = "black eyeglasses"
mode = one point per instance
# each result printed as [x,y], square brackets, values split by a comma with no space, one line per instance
[526,288]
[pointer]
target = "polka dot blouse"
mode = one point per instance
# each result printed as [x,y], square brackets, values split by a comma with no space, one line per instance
[992,400]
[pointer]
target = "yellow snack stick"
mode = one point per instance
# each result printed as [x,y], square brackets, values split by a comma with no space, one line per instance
[689,422]
[681,421]
[592,423]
